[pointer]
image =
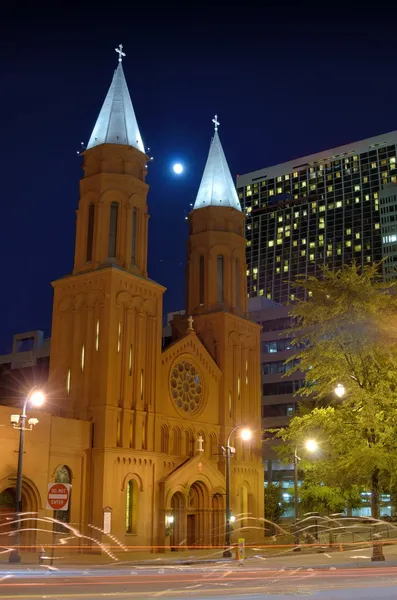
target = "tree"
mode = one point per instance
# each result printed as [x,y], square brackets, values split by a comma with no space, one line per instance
[346,333]
[275,505]
[328,500]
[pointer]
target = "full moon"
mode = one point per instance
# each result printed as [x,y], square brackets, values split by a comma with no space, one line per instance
[178,168]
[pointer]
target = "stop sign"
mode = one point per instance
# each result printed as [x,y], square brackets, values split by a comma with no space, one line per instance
[58,496]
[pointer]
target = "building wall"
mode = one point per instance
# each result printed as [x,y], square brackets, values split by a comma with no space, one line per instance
[53,442]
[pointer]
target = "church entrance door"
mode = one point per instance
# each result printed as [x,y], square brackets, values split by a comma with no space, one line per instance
[198,517]
[191,530]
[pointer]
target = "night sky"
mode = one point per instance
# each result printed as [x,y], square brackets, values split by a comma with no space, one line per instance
[283,83]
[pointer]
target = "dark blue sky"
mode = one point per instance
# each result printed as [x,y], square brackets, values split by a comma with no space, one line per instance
[284,84]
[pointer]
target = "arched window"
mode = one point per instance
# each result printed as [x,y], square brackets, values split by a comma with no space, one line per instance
[201,280]
[131,507]
[90,232]
[133,239]
[176,446]
[62,475]
[188,443]
[236,282]
[164,439]
[213,445]
[220,278]
[114,210]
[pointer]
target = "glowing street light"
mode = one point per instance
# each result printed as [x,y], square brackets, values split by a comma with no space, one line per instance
[34,398]
[340,390]
[245,435]
[311,446]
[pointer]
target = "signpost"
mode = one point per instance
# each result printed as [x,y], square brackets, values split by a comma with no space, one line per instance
[241,550]
[58,496]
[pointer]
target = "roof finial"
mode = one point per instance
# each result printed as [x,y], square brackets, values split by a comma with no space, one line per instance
[120,52]
[216,122]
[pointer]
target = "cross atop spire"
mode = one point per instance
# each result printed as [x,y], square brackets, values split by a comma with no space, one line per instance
[217,187]
[120,52]
[117,122]
[216,122]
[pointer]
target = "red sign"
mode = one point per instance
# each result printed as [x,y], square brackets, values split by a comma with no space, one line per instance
[58,496]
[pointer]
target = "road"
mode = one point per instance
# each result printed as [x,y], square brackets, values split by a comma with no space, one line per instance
[205,581]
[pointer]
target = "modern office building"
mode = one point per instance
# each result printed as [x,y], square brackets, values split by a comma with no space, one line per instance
[323,209]
[27,366]
[388,229]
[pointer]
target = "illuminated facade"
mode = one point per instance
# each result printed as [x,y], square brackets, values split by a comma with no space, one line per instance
[317,210]
[159,414]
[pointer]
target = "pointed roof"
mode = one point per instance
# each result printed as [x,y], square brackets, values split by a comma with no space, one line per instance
[116,123]
[217,186]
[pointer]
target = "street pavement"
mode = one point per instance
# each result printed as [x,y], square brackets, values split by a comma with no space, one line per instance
[251,580]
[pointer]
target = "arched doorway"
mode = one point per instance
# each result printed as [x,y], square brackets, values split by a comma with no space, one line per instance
[28,518]
[198,515]
[218,520]
[178,511]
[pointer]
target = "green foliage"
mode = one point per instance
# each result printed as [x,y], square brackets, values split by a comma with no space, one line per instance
[327,500]
[346,332]
[275,505]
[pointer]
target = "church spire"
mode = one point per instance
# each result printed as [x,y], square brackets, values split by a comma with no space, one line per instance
[217,187]
[116,123]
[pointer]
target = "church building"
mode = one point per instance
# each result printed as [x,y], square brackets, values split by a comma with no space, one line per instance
[156,421]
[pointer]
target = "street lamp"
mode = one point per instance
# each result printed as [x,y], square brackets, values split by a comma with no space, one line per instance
[340,390]
[34,398]
[228,451]
[311,446]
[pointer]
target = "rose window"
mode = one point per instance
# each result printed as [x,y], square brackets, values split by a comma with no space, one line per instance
[186,387]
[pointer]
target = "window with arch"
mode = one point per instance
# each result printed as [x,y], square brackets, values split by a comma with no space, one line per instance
[176,441]
[188,443]
[63,475]
[133,238]
[131,507]
[90,232]
[164,439]
[220,270]
[213,445]
[236,282]
[112,246]
[201,280]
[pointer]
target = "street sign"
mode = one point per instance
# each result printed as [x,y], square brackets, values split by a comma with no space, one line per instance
[58,496]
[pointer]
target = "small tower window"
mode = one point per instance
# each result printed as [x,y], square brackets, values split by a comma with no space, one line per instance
[90,232]
[133,240]
[220,278]
[236,282]
[201,280]
[119,337]
[130,361]
[82,357]
[114,209]
[68,382]
[141,384]
[97,336]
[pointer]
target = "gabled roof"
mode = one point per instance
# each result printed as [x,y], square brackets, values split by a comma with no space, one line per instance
[116,123]
[217,187]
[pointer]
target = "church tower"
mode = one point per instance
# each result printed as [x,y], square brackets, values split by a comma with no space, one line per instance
[107,315]
[217,300]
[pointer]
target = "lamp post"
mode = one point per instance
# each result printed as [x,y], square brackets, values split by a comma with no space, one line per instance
[311,446]
[228,452]
[34,398]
